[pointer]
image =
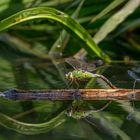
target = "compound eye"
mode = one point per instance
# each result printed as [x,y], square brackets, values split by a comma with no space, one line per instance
[68,75]
[71,76]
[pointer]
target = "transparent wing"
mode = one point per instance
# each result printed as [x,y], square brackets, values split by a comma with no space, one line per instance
[73,62]
[79,64]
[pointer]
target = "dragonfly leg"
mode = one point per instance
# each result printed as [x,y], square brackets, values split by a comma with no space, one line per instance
[71,81]
[77,84]
[74,81]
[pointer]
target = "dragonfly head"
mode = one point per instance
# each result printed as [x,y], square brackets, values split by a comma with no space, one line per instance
[69,76]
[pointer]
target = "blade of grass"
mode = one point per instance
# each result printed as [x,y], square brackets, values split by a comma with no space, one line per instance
[74,28]
[100,119]
[127,26]
[31,129]
[63,39]
[116,19]
[113,22]
[110,7]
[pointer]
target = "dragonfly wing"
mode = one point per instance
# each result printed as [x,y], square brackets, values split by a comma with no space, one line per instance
[79,64]
[89,67]
[73,62]
[92,66]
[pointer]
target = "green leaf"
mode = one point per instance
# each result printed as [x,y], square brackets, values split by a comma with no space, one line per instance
[60,44]
[74,28]
[31,129]
[116,19]
[110,7]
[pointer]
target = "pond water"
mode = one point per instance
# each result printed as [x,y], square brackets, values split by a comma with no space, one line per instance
[36,119]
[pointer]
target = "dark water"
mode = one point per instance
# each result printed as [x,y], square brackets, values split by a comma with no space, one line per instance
[119,121]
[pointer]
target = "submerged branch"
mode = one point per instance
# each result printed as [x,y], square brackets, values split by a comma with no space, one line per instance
[72,94]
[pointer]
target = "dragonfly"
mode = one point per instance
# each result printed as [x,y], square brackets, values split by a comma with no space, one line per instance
[83,71]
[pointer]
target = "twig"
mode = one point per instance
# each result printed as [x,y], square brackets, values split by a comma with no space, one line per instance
[72,94]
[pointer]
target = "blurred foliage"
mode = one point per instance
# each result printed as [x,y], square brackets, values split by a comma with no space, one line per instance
[33,53]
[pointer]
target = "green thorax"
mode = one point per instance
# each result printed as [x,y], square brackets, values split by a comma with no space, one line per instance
[81,74]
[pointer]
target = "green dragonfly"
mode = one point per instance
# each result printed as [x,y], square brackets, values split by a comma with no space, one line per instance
[83,71]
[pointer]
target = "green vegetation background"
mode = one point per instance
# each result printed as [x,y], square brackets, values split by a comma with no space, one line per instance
[95,29]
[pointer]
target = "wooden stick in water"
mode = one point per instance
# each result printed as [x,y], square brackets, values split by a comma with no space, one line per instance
[72,94]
